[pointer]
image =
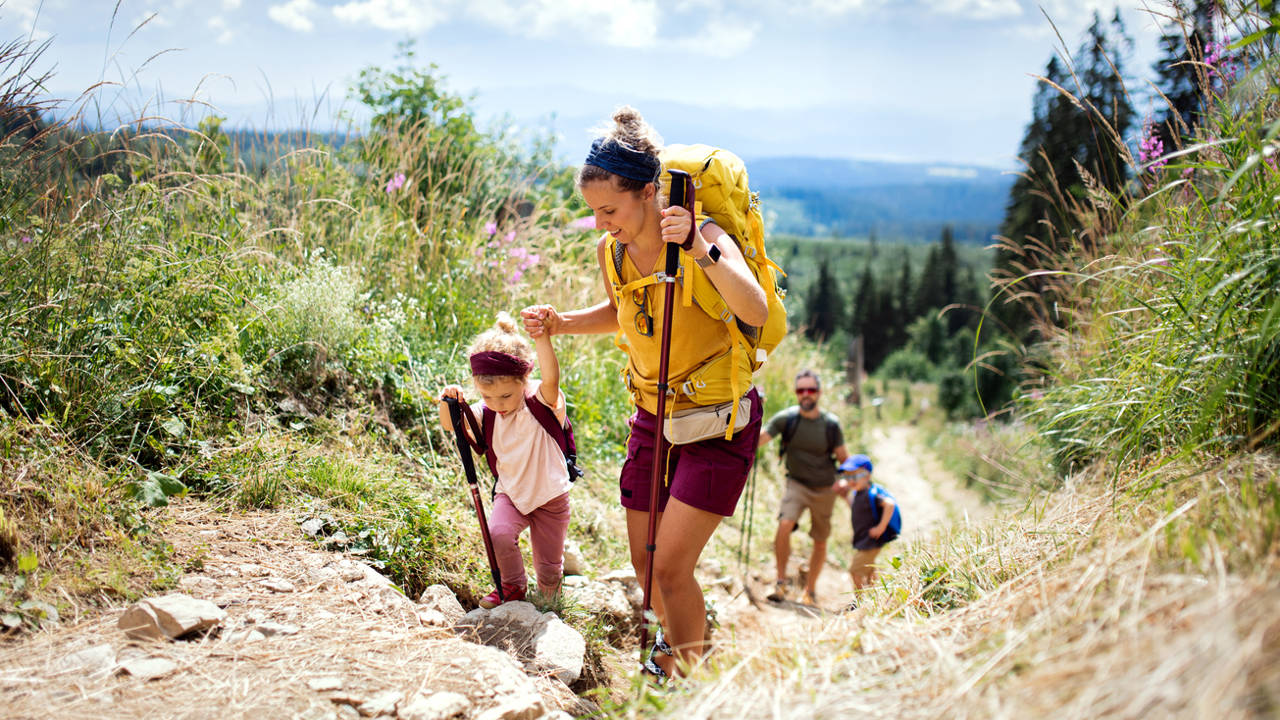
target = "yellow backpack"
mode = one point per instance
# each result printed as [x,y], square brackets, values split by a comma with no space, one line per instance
[721,193]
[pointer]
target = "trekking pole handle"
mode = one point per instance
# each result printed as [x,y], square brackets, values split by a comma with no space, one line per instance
[682,195]
[464,449]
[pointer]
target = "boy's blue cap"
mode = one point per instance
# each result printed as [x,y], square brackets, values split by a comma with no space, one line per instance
[854,462]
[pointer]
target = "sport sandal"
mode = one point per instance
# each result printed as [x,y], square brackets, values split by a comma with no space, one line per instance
[780,590]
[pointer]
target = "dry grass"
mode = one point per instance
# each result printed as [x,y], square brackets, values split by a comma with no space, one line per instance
[1098,616]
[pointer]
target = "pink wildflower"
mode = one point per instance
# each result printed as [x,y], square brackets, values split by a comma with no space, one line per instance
[491,228]
[510,237]
[1151,147]
[395,183]
[26,238]
[584,223]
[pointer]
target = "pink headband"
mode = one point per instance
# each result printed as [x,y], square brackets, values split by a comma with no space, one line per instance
[502,364]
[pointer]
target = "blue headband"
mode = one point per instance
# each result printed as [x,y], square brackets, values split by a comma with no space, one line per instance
[621,160]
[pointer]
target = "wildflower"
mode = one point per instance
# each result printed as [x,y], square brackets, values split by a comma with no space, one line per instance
[515,277]
[510,237]
[395,183]
[26,238]
[491,228]
[1151,148]
[584,223]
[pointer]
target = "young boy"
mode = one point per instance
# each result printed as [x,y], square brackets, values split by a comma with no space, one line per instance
[875,516]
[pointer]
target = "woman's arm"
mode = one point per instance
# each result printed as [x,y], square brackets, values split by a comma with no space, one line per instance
[601,318]
[730,275]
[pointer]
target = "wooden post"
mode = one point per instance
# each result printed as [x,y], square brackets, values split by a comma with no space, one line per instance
[853,370]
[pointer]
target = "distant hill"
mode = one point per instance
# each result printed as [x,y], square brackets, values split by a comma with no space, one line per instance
[908,202]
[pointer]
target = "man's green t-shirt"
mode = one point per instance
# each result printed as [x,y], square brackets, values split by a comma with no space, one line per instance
[808,461]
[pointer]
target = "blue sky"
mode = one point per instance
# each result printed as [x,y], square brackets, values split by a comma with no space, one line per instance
[919,80]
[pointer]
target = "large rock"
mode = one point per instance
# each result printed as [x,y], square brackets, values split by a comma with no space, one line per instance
[540,640]
[92,660]
[169,617]
[442,600]
[436,706]
[559,649]
[526,707]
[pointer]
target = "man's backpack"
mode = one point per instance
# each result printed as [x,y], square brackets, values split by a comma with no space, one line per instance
[546,417]
[895,521]
[793,422]
[721,193]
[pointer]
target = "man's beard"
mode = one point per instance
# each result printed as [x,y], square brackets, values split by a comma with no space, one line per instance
[808,403]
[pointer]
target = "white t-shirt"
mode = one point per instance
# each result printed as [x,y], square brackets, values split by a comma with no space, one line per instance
[531,468]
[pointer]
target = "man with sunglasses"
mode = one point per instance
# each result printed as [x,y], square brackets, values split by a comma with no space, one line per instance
[812,445]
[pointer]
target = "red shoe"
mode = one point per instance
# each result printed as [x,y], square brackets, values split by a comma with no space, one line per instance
[510,593]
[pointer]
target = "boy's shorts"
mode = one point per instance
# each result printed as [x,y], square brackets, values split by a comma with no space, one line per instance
[820,502]
[708,475]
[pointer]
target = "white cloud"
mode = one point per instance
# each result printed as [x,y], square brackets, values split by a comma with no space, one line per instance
[27,13]
[617,23]
[837,7]
[407,16]
[231,4]
[725,39]
[294,14]
[219,26]
[952,172]
[979,9]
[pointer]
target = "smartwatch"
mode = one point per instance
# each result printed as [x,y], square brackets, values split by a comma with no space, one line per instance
[711,258]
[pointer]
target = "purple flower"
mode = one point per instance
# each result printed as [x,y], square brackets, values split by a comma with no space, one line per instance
[395,183]
[510,237]
[584,223]
[490,228]
[515,277]
[26,238]
[1151,147]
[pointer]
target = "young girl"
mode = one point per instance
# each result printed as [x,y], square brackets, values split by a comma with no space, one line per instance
[533,480]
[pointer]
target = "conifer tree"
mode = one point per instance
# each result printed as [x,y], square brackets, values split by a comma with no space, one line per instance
[1179,76]
[824,304]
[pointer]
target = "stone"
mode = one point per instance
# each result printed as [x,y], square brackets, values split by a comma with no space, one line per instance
[384,703]
[99,658]
[436,706]
[519,612]
[245,635]
[313,527]
[574,564]
[148,668]
[279,585]
[433,618]
[325,683]
[559,649]
[573,581]
[275,628]
[522,707]
[442,599]
[169,616]
[711,567]
[556,715]
[609,599]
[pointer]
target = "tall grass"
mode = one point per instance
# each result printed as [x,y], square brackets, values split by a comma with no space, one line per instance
[1166,339]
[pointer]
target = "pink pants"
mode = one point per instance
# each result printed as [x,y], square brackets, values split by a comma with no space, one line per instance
[548,525]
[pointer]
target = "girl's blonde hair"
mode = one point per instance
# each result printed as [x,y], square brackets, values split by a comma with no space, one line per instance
[503,337]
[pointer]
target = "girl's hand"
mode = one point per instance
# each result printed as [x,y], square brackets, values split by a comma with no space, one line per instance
[541,320]
[452,391]
[676,223]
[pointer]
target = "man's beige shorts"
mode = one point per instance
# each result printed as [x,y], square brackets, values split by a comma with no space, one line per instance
[819,503]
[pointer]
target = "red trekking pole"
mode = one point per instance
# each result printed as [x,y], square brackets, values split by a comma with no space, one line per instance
[681,194]
[468,465]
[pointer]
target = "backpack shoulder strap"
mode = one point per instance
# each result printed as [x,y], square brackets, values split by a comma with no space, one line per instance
[486,428]
[546,417]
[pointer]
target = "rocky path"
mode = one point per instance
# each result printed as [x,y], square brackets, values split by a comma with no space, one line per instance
[300,633]
[930,499]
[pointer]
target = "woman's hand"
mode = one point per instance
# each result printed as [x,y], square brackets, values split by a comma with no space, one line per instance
[541,320]
[676,224]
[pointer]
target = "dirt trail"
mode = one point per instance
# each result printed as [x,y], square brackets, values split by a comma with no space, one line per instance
[930,498]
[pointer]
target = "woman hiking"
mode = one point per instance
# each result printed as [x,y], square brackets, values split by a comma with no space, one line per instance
[620,181]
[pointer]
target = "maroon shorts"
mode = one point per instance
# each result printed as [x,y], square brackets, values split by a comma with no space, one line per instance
[708,475]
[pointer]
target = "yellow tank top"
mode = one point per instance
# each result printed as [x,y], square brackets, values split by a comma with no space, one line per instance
[695,338]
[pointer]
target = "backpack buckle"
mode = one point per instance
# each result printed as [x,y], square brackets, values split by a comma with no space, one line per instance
[726,316]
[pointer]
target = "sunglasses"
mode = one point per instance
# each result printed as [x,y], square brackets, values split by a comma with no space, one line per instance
[807,391]
[643,320]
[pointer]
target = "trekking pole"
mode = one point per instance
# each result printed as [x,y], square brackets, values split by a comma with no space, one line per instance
[681,194]
[469,466]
